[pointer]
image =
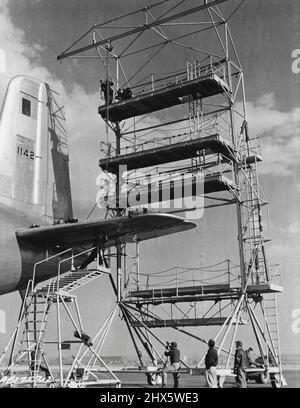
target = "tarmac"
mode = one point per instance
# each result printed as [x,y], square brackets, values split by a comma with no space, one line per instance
[186,381]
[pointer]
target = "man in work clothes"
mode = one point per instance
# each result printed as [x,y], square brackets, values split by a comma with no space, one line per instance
[211,362]
[250,361]
[240,365]
[174,354]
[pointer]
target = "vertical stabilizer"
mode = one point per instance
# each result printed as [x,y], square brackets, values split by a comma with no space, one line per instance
[34,160]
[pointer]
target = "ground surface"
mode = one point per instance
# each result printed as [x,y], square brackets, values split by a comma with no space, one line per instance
[187,381]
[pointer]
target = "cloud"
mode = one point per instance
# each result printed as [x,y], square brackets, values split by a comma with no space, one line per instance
[280,251]
[292,229]
[19,55]
[287,241]
[84,125]
[266,101]
[280,134]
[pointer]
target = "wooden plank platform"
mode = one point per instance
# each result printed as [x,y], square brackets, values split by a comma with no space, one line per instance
[254,158]
[264,288]
[169,153]
[163,98]
[183,291]
[212,321]
[196,293]
[230,295]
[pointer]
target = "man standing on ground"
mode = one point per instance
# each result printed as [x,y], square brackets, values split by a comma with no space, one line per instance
[174,354]
[211,362]
[240,364]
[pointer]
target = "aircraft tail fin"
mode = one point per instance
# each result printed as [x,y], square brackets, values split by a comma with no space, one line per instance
[34,158]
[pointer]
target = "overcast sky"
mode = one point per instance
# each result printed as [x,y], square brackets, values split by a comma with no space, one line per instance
[34,32]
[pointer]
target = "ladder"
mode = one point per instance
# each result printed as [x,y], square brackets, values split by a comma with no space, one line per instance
[253,233]
[35,325]
[272,331]
[26,355]
[272,325]
[29,343]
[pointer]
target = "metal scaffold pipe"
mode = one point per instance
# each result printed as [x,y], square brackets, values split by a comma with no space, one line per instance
[137,30]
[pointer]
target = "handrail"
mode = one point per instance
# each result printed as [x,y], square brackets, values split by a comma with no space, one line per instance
[46,260]
[55,256]
[183,76]
[178,281]
[208,128]
[73,257]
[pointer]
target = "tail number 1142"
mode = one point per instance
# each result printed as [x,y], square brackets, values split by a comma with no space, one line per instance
[25,152]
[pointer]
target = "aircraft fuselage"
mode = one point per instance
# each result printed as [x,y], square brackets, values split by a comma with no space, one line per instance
[18,259]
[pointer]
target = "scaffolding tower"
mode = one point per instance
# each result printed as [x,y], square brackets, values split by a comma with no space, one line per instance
[213,151]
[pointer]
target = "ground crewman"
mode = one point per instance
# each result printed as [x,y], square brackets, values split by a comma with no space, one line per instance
[240,365]
[211,362]
[174,354]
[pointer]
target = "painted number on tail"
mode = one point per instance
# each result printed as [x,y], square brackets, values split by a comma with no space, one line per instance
[25,152]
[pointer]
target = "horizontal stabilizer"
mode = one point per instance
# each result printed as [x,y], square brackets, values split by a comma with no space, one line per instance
[109,231]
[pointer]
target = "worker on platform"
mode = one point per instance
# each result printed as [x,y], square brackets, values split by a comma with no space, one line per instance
[124,94]
[240,365]
[107,90]
[211,363]
[174,355]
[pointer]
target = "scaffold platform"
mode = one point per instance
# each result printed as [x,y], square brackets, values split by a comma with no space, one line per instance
[254,158]
[170,153]
[197,293]
[180,291]
[265,288]
[164,97]
[148,194]
[159,323]
[218,182]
